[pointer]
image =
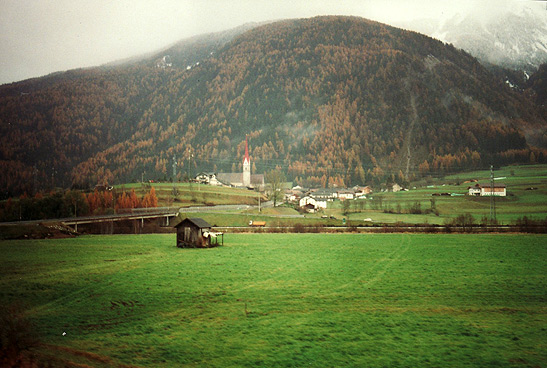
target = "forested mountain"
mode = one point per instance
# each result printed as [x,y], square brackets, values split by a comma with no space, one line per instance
[188,52]
[538,85]
[328,100]
[515,38]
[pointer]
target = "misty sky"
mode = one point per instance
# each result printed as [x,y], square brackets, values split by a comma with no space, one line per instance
[38,37]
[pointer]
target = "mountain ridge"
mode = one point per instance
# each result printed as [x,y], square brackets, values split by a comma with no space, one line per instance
[329,100]
[515,40]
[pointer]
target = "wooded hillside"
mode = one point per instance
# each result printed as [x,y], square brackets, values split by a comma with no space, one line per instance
[329,100]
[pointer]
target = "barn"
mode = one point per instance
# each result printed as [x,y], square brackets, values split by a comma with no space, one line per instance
[498,190]
[196,233]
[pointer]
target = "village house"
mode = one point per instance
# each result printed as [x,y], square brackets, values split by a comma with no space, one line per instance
[474,190]
[327,195]
[345,194]
[293,195]
[208,178]
[499,190]
[361,191]
[311,204]
[316,199]
[396,188]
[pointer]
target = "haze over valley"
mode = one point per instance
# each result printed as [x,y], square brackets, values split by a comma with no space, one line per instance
[334,100]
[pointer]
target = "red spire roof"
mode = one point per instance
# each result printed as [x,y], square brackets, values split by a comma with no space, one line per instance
[246,152]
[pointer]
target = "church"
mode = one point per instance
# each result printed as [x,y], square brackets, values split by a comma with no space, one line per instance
[244,179]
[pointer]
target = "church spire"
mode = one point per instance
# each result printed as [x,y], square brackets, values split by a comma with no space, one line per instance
[246,166]
[246,158]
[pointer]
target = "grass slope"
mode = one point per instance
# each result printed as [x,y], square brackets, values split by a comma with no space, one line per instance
[283,300]
[520,200]
[194,194]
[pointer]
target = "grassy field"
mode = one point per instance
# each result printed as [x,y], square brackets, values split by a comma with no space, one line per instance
[280,300]
[521,201]
[195,194]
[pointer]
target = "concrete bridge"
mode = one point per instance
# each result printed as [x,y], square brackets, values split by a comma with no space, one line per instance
[164,214]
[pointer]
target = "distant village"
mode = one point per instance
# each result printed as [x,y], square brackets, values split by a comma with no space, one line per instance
[313,200]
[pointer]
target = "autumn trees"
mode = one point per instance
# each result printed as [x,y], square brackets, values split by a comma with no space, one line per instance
[70,203]
[330,100]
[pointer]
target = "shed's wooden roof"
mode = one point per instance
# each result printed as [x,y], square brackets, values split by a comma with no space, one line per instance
[198,222]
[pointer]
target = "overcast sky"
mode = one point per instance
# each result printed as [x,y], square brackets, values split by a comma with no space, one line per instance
[38,37]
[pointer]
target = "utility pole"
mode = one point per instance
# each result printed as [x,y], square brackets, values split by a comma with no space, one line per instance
[492,197]
[174,177]
[76,214]
[35,183]
[188,171]
[174,168]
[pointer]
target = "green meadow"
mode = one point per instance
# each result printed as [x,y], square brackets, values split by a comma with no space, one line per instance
[279,300]
[526,196]
[193,194]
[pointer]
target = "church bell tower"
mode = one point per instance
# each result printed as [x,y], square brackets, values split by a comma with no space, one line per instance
[246,167]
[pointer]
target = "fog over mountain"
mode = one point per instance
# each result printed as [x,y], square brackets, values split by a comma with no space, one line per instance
[40,37]
[328,100]
[512,37]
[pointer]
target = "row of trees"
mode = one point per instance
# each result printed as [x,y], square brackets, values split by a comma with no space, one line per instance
[70,203]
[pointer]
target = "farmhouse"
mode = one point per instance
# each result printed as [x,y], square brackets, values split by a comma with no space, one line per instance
[294,195]
[482,190]
[361,191]
[327,195]
[396,188]
[196,233]
[208,178]
[312,204]
[345,194]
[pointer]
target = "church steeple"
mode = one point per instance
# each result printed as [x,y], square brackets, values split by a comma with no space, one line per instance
[246,166]
[246,158]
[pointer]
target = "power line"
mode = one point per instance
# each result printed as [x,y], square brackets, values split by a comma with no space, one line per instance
[492,197]
[392,169]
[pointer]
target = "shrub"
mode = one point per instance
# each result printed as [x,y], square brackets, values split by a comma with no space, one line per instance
[299,228]
[529,225]
[17,338]
[415,209]
[465,221]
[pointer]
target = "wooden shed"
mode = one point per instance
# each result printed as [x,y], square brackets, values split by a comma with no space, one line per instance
[196,233]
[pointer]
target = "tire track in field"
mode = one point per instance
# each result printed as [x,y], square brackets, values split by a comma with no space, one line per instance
[107,282]
[277,274]
[60,271]
[380,268]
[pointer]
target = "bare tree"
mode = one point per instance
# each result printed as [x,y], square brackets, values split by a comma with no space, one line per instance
[275,179]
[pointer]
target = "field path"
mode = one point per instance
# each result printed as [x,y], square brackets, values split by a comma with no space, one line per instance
[90,287]
[374,274]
